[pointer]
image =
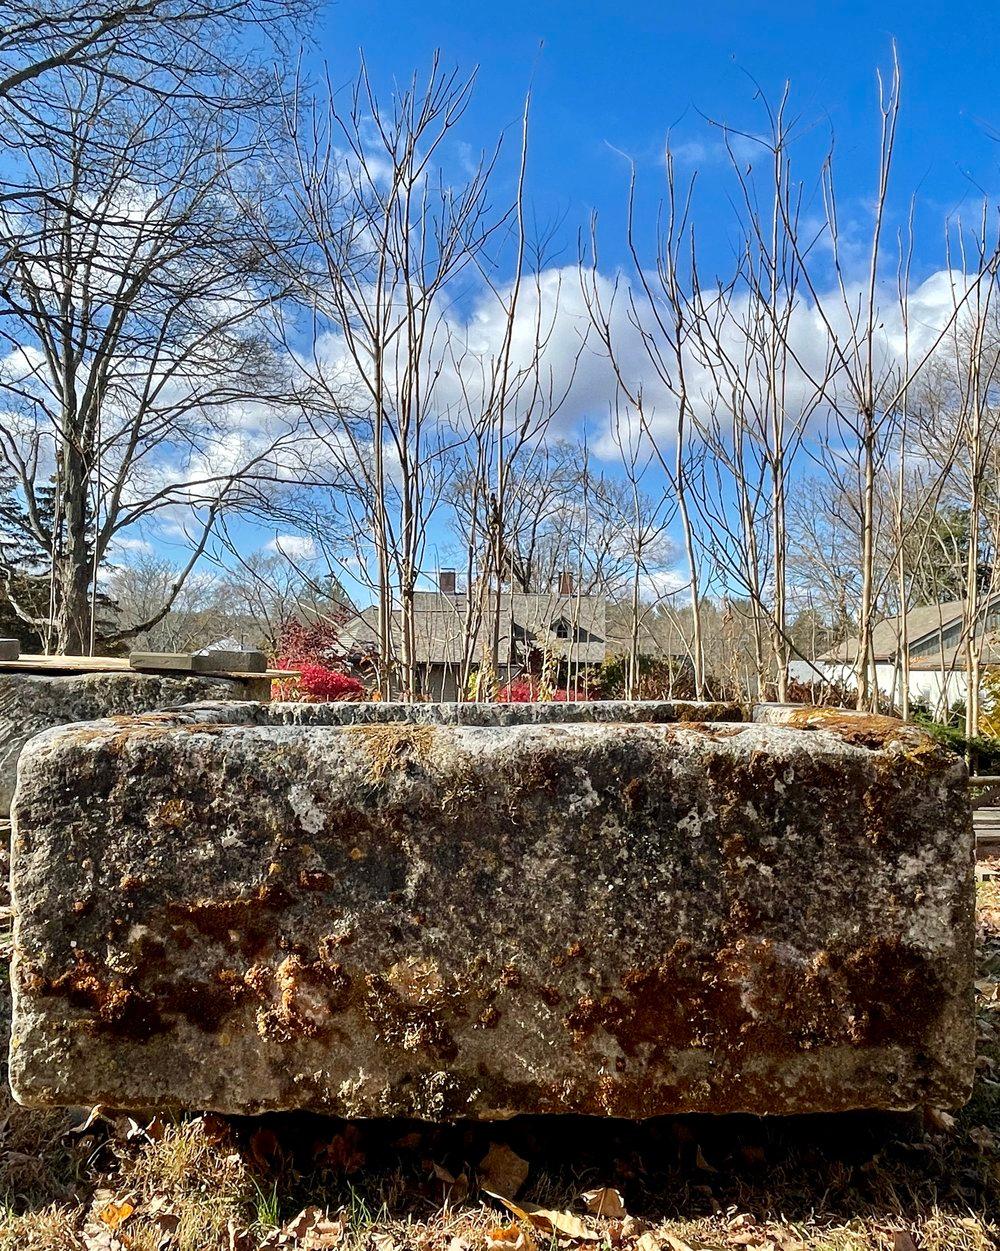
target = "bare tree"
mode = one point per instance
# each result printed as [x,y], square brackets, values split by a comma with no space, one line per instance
[389,238]
[165,45]
[657,306]
[139,380]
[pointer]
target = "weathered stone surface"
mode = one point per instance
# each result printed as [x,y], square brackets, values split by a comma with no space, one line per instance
[30,703]
[646,712]
[442,920]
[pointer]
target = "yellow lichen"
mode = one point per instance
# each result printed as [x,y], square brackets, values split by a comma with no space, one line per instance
[392,746]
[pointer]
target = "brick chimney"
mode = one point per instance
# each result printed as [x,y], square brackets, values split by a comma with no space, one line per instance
[447,582]
[566,582]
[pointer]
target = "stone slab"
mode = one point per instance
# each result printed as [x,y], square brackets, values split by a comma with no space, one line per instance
[30,703]
[440,920]
[213,662]
[10,649]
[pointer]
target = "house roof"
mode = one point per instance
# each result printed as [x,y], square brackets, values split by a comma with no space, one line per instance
[922,623]
[531,620]
[952,660]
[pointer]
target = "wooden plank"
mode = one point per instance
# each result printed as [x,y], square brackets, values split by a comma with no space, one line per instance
[66,664]
[120,664]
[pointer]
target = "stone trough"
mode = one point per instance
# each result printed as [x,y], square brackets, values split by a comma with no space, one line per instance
[469,911]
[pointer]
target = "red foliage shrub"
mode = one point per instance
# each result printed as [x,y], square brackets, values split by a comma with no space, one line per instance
[323,685]
[525,691]
[314,650]
[318,643]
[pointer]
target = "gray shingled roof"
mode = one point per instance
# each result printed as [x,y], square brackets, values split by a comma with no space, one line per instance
[439,625]
[928,619]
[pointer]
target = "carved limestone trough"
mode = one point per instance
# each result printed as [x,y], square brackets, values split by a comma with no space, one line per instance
[458,911]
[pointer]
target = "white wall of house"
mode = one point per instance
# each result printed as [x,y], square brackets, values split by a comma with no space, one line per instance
[938,688]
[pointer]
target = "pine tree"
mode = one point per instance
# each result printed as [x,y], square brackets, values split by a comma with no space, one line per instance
[24,563]
[20,560]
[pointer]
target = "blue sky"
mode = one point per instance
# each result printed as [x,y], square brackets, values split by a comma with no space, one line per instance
[612,78]
[610,81]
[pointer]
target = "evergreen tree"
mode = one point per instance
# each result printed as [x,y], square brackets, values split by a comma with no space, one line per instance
[20,581]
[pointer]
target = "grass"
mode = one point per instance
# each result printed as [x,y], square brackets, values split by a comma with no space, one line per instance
[837,1183]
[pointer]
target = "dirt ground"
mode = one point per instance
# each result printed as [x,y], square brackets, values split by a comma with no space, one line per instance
[929,1180]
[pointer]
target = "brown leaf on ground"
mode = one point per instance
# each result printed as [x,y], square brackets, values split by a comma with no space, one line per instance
[509,1238]
[673,1242]
[502,1171]
[982,1137]
[456,1188]
[902,1241]
[550,1221]
[313,1230]
[624,1231]
[264,1148]
[102,1240]
[605,1201]
[95,1114]
[160,1213]
[648,1242]
[115,1213]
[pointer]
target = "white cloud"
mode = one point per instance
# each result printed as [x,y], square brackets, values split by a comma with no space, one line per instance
[663,583]
[576,382]
[125,544]
[294,546]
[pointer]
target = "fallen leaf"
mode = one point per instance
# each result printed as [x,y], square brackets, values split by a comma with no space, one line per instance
[101,1240]
[384,1242]
[342,1152]
[502,1170]
[509,1238]
[160,1212]
[902,1241]
[95,1114]
[648,1242]
[605,1201]
[549,1220]
[313,1230]
[114,1214]
[676,1243]
[155,1129]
